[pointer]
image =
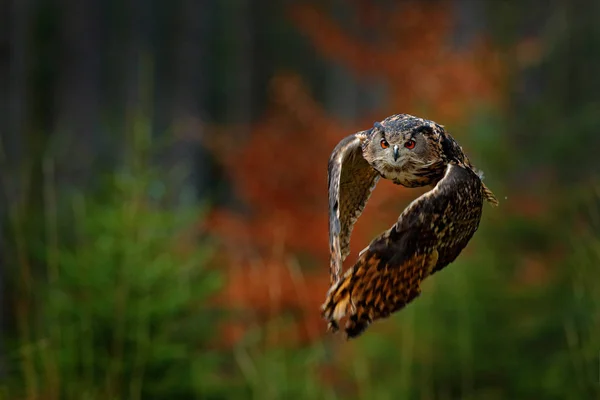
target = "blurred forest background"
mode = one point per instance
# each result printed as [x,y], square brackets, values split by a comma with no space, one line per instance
[164,210]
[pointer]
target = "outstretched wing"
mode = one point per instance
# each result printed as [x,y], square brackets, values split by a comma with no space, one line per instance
[351,180]
[429,234]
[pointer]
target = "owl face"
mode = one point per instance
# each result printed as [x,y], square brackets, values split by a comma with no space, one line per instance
[405,149]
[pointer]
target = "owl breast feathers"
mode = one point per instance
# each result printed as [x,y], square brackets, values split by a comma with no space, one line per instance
[429,234]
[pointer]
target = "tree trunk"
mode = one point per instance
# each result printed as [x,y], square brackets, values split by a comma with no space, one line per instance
[187,153]
[78,92]
[14,41]
[342,95]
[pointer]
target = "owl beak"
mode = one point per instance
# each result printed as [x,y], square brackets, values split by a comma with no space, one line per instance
[396,152]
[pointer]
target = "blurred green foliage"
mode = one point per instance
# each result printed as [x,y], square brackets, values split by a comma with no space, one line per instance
[110,289]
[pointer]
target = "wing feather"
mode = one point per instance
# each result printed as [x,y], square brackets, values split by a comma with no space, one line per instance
[350,182]
[429,234]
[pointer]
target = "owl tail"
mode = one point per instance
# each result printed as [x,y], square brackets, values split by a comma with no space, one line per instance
[367,292]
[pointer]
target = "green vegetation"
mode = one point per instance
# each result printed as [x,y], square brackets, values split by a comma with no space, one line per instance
[110,292]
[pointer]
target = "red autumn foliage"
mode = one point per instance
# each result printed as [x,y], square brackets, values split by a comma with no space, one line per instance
[411,50]
[271,288]
[281,172]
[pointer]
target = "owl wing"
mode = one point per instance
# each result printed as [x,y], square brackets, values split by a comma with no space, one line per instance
[350,182]
[429,234]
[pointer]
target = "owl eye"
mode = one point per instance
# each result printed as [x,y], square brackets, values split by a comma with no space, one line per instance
[410,144]
[384,144]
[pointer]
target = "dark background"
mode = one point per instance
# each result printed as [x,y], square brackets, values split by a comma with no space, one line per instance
[164,209]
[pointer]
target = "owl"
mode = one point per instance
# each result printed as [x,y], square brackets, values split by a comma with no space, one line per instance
[428,235]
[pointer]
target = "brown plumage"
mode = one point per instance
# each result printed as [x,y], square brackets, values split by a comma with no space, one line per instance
[429,234]
[352,186]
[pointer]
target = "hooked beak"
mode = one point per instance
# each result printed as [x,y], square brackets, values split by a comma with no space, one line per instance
[396,152]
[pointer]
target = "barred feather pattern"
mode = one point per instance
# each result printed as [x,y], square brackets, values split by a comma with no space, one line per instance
[429,234]
[350,182]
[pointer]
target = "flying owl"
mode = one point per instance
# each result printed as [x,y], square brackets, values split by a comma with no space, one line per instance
[429,234]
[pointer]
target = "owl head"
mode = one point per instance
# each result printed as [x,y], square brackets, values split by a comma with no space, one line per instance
[410,151]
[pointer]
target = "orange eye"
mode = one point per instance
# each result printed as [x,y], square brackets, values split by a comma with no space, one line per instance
[384,144]
[410,144]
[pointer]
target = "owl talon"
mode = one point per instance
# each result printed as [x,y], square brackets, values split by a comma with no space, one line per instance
[332,327]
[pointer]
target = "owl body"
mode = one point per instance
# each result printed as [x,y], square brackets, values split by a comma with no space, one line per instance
[429,234]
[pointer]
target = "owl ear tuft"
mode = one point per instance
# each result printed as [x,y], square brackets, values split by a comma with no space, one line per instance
[426,129]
